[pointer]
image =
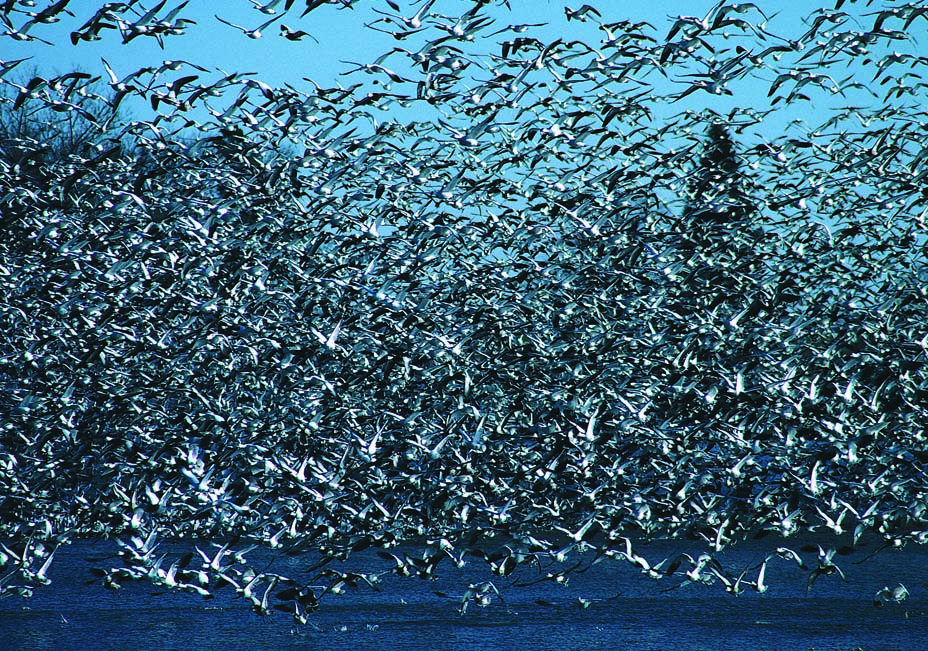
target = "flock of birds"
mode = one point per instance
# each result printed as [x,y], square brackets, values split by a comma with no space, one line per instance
[499,297]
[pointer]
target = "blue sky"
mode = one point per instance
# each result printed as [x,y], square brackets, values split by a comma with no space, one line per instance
[342,38]
[340,32]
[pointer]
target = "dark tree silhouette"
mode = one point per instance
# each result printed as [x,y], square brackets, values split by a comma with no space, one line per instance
[717,192]
[35,131]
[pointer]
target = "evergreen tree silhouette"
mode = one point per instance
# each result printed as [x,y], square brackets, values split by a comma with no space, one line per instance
[717,193]
[712,298]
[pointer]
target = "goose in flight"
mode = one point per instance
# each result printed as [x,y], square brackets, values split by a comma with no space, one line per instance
[250,33]
[895,594]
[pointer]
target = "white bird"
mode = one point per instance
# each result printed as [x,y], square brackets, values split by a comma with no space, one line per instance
[633,558]
[270,8]
[39,576]
[759,584]
[896,594]
[414,22]
[481,594]
[825,567]
[250,33]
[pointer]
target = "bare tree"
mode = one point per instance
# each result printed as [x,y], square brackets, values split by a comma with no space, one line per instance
[46,119]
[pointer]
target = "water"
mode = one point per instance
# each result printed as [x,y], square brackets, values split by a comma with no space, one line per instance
[625,609]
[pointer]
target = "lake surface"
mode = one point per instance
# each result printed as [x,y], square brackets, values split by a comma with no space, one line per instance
[624,609]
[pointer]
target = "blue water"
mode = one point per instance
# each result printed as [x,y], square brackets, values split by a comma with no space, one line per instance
[626,610]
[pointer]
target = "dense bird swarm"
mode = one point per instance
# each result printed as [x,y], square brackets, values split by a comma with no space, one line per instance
[496,286]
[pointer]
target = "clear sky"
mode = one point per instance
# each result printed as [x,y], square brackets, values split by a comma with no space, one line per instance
[340,32]
[339,36]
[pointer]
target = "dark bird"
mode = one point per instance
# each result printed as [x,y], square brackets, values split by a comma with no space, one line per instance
[295,35]
[581,13]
